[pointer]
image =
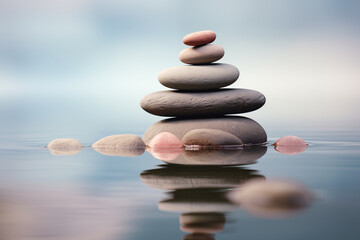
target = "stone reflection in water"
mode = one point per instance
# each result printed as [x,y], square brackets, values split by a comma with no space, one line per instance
[65,146]
[210,156]
[273,198]
[199,236]
[205,223]
[174,177]
[200,194]
[197,200]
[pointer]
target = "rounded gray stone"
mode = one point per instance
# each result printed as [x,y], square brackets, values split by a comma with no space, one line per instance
[211,103]
[120,145]
[210,137]
[201,54]
[247,130]
[199,77]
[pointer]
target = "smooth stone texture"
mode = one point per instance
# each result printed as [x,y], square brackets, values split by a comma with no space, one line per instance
[290,141]
[199,104]
[165,140]
[272,198]
[199,77]
[210,137]
[290,145]
[172,177]
[165,146]
[120,145]
[64,146]
[247,130]
[199,38]
[202,54]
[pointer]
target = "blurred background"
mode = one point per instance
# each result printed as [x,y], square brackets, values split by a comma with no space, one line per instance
[81,67]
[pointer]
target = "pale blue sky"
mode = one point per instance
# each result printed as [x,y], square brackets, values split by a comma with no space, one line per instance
[85,65]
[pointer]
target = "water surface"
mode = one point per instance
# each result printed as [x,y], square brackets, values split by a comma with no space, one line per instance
[93,196]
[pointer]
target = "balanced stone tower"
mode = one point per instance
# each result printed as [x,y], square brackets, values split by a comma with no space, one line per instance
[199,99]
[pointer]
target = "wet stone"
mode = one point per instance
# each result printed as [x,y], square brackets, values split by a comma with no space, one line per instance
[120,145]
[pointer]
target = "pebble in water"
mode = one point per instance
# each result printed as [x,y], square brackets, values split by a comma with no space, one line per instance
[290,145]
[165,146]
[64,146]
[120,145]
[165,139]
[273,198]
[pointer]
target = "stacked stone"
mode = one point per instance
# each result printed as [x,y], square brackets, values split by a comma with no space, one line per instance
[199,100]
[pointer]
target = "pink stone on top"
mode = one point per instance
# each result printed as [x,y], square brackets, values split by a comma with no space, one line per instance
[199,38]
[290,145]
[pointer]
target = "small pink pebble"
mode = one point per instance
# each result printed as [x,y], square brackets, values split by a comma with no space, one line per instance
[165,139]
[165,146]
[290,145]
[199,38]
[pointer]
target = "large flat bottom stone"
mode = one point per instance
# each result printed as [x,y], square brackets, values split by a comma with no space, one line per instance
[247,130]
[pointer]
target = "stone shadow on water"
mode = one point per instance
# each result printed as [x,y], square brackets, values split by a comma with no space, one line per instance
[199,194]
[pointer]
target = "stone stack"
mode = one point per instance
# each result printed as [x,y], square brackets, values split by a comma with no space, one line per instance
[199,100]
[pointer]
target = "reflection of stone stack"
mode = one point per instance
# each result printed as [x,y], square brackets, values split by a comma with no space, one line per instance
[197,101]
[199,193]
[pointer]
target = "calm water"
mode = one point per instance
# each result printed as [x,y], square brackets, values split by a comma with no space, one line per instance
[94,196]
